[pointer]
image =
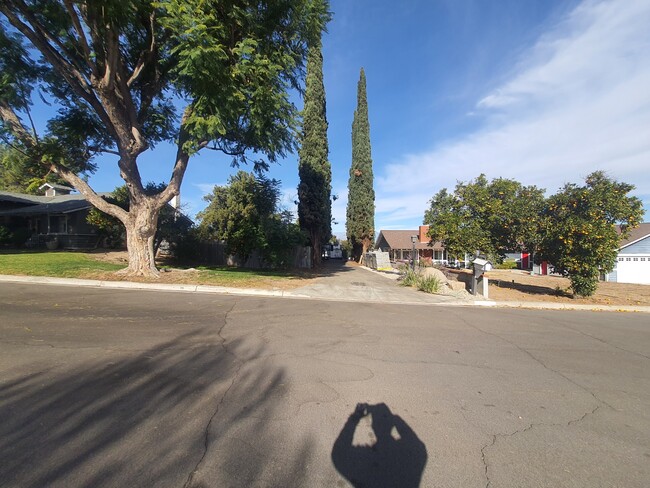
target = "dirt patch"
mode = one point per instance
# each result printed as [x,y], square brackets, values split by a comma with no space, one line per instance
[515,285]
[110,256]
[195,277]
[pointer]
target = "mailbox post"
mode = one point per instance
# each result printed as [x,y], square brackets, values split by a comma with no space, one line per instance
[414,239]
[479,280]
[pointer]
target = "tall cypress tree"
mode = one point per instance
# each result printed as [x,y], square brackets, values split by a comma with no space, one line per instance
[360,223]
[314,169]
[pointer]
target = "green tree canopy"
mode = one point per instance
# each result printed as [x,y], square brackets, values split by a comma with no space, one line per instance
[360,212]
[579,235]
[245,214]
[494,217]
[125,76]
[314,169]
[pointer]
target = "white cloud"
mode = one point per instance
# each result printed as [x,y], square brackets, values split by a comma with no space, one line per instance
[206,188]
[578,101]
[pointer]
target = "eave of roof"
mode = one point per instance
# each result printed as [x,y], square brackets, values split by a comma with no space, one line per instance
[50,208]
[401,239]
[10,196]
[638,234]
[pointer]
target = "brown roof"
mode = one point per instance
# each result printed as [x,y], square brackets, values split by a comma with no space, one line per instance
[401,239]
[643,230]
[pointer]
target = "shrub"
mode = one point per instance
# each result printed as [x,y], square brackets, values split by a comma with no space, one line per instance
[187,248]
[409,277]
[507,264]
[5,235]
[428,284]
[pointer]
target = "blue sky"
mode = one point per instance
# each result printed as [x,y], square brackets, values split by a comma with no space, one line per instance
[541,91]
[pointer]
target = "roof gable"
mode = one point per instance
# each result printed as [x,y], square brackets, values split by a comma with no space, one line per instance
[401,239]
[637,234]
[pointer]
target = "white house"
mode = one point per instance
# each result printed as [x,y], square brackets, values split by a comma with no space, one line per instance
[633,262]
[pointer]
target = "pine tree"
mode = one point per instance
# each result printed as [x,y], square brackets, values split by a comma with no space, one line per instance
[314,169]
[360,224]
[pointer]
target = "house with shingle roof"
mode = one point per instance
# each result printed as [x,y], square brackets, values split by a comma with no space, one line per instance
[57,219]
[399,245]
[57,216]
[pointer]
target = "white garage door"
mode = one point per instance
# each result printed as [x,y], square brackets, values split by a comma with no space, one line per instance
[633,269]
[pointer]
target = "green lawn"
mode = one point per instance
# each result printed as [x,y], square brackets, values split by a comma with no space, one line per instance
[59,264]
[84,265]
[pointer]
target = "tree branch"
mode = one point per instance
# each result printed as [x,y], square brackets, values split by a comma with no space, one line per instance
[75,79]
[145,56]
[182,158]
[29,116]
[45,37]
[110,65]
[98,149]
[90,195]
[17,128]
[82,36]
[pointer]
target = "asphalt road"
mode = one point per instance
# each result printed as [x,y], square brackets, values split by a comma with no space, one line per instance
[131,388]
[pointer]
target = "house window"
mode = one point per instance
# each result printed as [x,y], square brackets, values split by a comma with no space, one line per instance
[621,259]
[635,259]
[628,259]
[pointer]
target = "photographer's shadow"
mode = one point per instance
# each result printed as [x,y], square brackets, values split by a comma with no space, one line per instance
[396,459]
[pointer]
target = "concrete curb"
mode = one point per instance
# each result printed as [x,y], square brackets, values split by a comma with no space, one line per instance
[223,290]
[134,285]
[568,306]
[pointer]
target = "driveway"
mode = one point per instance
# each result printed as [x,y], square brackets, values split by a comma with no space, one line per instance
[113,388]
[343,281]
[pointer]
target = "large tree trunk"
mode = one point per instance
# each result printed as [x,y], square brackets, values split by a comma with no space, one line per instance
[366,244]
[140,234]
[360,249]
[315,249]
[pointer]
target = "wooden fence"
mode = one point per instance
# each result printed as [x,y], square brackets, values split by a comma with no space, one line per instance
[214,253]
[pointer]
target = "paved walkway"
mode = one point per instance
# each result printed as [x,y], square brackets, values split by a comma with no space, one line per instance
[351,283]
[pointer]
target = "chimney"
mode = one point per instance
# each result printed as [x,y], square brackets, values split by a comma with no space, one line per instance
[176,202]
[422,233]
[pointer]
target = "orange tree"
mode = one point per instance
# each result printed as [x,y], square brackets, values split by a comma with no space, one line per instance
[579,233]
[494,217]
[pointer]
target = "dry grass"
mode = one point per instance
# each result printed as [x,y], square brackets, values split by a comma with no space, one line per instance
[515,285]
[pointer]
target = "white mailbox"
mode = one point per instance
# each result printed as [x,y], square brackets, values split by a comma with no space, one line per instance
[479,280]
[481,265]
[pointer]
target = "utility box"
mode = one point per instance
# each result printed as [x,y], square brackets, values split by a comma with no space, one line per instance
[479,280]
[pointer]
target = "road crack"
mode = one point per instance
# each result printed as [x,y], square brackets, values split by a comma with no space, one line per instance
[484,460]
[522,431]
[537,360]
[206,432]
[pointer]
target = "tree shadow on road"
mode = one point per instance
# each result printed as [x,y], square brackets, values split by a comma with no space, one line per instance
[331,267]
[395,458]
[148,419]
